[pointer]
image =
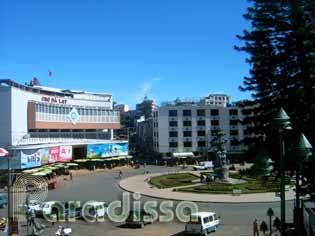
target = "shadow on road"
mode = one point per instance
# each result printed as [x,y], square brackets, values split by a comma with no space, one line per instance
[182,233]
[126,226]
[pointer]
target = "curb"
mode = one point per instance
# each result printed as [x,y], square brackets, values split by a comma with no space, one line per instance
[200,201]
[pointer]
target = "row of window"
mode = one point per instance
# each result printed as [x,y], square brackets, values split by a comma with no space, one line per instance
[199,143]
[202,112]
[62,110]
[189,123]
[200,133]
[200,123]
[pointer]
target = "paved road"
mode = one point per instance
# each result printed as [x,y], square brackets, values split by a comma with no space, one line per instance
[103,186]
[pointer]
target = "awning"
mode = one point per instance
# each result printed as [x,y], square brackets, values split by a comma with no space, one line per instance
[72,164]
[182,154]
[81,160]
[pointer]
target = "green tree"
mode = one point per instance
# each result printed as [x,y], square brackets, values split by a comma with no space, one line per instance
[281,53]
[281,50]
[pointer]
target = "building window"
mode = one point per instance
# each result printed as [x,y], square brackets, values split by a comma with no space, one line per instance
[201,122]
[201,133]
[187,144]
[186,112]
[214,112]
[215,122]
[187,133]
[233,132]
[233,112]
[173,144]
[201,112]
[187,123]
[173,123]
[173,134]
[172,113]
[201,143]
[233,122]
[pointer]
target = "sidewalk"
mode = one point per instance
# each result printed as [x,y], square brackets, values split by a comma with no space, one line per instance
[140,184]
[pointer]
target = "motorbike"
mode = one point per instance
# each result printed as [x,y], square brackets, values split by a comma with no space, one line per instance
[62,231]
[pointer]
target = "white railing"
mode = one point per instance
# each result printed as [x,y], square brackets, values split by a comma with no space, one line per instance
[59,140]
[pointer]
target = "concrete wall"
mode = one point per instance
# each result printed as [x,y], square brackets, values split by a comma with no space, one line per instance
[5,119]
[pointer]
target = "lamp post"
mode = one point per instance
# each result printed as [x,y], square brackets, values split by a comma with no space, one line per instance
[302,150]
[282,122]
[5,153]
[270,213]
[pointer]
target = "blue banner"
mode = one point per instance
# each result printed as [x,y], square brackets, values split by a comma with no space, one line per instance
[106,150]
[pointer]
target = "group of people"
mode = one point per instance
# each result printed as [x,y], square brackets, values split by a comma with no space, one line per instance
[207,178]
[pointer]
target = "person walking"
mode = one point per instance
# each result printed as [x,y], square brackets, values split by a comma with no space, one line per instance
[255,228]
[71,176]
[32,216]
[120,174]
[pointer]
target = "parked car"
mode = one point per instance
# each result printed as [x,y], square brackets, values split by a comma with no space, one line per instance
[202,223]
[94,209]
[33,205]
[3,200]
[139,218]
[204,165]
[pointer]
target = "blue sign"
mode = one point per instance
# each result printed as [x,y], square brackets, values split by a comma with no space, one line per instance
[106,150]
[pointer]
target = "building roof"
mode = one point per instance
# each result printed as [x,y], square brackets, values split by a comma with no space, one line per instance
[48,90]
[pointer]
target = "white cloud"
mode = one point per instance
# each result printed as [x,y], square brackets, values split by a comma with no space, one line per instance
[146,89]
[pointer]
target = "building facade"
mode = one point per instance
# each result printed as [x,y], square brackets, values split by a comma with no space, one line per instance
[192,127]
[35,117]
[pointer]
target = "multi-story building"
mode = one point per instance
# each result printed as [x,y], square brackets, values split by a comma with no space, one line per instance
[192,127]
[36,119]
[146,107]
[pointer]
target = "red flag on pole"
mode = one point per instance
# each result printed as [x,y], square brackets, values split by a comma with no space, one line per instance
[3,153]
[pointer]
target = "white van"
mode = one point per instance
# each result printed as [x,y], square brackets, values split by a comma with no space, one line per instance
[94,209]
[202,223]
[204,165]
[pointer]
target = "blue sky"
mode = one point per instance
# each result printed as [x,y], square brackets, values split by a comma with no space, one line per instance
[163,48]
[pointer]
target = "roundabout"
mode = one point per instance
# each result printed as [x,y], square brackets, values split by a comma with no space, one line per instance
[141,184]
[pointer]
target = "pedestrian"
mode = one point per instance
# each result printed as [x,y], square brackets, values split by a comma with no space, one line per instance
[255,228]
[32,217]
[120,174]
[201,178]
[71,176]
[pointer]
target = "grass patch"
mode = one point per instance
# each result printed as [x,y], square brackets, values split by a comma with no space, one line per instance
[173,180]
[250,187]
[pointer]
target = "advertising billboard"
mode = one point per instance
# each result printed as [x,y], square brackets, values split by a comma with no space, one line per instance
[30,160]
[45,156]
[65,153]
[106,150]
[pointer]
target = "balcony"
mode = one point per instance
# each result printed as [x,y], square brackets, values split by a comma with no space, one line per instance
[172,139]
[186,118]
[215,127]
[172,118]
[215,117]
[187,139]
[201,127]
[187,128]
[233,127]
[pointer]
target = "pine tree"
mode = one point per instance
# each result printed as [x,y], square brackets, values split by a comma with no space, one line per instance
[281,49]
[281,52]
